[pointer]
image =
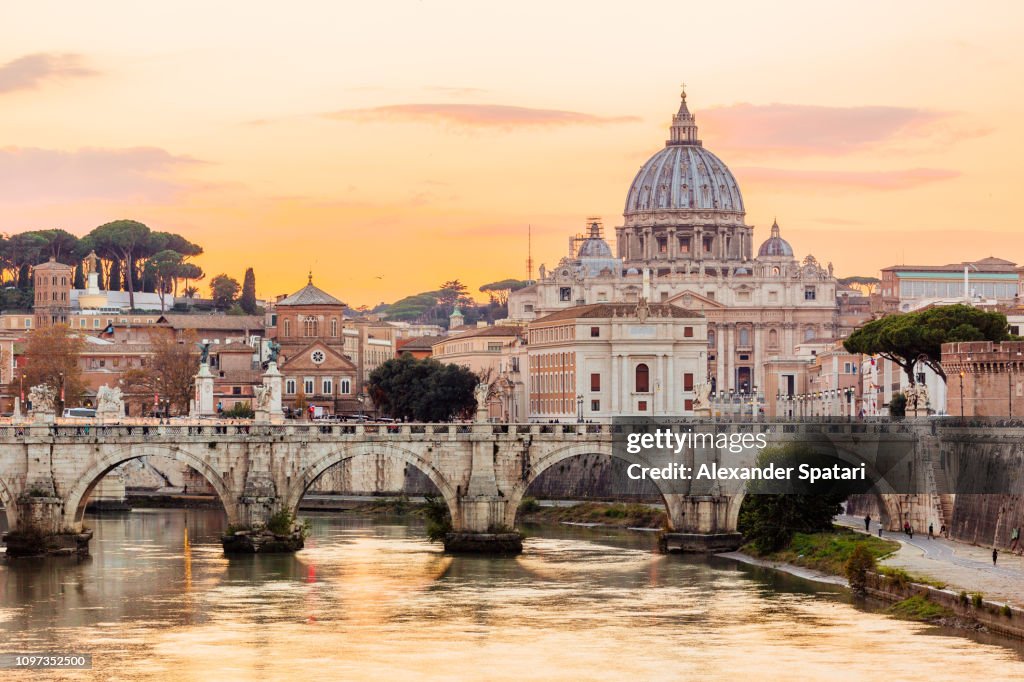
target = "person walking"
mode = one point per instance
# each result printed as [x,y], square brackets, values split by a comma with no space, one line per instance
[931,532]
[867,523]
[995,555]
[910,531]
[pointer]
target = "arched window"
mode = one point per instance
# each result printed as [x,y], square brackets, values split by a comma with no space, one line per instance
[643,378]
[310,326]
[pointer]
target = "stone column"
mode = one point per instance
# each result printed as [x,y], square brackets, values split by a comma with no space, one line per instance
[759,355]
[720,332]
[613,385]
[204,392]
[480,526]
[730,353]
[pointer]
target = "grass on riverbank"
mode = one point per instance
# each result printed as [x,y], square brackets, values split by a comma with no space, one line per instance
[919,607]
[618,514]
[827,552]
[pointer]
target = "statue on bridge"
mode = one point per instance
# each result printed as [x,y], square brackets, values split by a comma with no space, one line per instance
[204,353]
[273,350]
[109,402]
[264,393]
[702,400]
[43,397]
[917,401]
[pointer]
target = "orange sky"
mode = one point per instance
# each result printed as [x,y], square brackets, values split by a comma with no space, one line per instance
[391,146]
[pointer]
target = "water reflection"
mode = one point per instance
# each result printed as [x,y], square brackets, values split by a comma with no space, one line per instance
[370,599]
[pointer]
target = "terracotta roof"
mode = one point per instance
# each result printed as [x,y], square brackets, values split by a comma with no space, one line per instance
[604,310]
[421,343]
[229,322]
[310,295]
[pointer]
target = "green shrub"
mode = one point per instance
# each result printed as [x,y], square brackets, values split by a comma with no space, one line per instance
[282,522]
[964,599]
[240,411]
[529,505]
[977,599]
[1007,611]
[439,519]
[857,566]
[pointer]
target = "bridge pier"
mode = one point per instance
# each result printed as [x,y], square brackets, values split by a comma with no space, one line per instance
[702,524]
[479,527]
[40,530]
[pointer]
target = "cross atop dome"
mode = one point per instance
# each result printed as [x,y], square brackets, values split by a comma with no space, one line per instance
[684,126]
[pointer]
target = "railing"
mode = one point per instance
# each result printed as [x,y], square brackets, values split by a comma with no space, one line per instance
[146,430]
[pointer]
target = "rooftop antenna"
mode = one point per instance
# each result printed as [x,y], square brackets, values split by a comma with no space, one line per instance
[529,254]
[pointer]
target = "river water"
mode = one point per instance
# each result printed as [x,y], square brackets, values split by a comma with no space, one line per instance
[369,599]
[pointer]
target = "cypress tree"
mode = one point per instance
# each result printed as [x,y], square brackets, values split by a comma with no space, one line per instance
[114,283]
[248,299]
[79,277]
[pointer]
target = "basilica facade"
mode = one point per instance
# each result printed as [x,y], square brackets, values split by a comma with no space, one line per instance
[685,241]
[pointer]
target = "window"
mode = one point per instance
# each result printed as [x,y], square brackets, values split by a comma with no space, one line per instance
[708,243]
[287,327]
[641,406]
[565,293]
[289,386]
[684,245]
[744,336]
[595,332]
[688,404]
[334,326]
[307,385]
[494,347]
[643,378]
[595,405]
[96,323]
[688,381]
[346,387]
[236,390]
[810,293]
[688,332]
[328,386]
[527,307]
[773,338]
[595,381]
[711,338]
[808,333]
[662,245]
[309,326]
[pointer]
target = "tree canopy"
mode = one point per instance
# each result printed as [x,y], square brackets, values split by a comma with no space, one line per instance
[499,291]
[51,358]
[223,290]
[910,339]
[422,390]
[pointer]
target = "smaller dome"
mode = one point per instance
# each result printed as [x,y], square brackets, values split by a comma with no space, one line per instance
[775,245]
[594,246]
[632,271]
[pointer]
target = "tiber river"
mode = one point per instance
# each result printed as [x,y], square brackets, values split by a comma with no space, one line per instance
[370,599]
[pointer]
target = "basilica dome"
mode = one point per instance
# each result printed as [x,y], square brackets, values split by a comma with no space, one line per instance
[775,245]
[684,176]
[594,246]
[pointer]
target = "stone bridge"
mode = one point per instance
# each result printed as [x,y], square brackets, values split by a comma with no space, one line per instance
[482,470]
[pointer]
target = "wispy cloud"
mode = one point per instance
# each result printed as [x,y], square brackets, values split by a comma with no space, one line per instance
[140,173]
[31,71]
[798,129]
[844,180]
[475,115]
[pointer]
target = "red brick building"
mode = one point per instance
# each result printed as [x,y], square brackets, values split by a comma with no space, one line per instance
[984,379]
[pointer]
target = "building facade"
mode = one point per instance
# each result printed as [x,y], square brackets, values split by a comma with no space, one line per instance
[984,378]
[914,286]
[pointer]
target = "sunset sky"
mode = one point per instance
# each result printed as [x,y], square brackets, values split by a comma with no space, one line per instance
[389,146]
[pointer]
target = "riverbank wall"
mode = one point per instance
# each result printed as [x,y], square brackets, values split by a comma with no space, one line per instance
[999,618]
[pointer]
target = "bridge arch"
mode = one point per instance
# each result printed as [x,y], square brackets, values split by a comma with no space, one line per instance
[321,464]
[78,494]
[550,459]
[10,505]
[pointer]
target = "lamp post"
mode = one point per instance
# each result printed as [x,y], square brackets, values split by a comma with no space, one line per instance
[579,408]
[362,399]
[22,380]
[60,377]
